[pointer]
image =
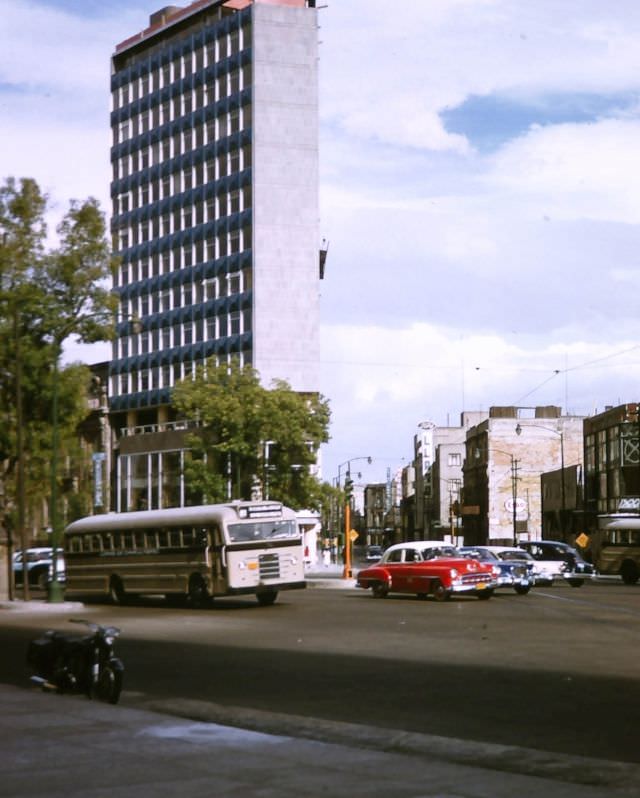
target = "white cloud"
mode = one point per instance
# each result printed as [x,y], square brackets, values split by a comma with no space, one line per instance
[383,382]
[574,171]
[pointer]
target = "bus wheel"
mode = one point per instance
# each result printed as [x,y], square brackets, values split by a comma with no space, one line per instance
[629,572]
[198,594]
[116,590]
[266,598]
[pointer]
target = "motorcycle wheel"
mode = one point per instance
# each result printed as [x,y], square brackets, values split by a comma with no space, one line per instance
[109,685]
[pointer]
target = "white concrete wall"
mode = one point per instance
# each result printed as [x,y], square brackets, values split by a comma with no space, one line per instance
[285,195]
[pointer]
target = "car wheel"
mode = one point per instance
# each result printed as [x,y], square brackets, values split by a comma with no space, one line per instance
[485,595]
[522,590]
[440,593]
[629,572]
[576,582]
[379,590]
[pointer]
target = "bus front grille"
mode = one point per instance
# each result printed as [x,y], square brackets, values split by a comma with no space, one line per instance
[269,566]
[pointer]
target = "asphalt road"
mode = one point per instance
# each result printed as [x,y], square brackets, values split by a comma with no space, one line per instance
[555,670]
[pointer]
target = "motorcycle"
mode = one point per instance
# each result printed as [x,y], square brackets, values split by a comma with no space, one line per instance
[70,664]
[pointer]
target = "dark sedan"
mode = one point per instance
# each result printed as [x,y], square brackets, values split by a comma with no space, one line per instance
[512,573]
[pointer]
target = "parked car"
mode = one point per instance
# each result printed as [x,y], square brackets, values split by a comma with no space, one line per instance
[512,573]
[39,562]
[373,553]
[558,559]
[538,574]
[428,568]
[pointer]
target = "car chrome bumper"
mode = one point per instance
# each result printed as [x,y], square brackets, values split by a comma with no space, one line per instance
[457,587]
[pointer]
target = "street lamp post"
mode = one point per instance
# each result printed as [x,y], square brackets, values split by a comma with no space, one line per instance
[347,515]
[562,480]
[514,492]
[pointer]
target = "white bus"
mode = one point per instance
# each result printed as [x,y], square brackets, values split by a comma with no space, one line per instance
[193,552]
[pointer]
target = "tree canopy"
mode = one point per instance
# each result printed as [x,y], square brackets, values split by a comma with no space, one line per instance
[47,293]
[251,441]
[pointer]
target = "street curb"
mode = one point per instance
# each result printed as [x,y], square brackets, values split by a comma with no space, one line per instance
[41,606]
[622,776]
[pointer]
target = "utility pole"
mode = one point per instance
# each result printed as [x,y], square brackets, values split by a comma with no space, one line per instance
[514,496]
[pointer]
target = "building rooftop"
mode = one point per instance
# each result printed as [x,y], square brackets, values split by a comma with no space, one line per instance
[170,15]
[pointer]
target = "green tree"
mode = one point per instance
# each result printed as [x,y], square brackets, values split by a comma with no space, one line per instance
[22,234]
[250,439]
[46,295]
[79,304]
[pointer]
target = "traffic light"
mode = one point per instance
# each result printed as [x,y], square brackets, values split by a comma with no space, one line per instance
[348,487]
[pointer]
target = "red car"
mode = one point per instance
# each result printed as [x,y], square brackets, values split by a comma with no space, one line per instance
[428,568]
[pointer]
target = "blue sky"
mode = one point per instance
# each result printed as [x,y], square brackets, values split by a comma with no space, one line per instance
[490,121]
[479,193]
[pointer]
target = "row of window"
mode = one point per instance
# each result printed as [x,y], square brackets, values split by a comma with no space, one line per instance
[216,207]
[226,243]
[619,445]
[180,295]
[181,179]
[226,203]
[224,124]
[159,377]
[220,246]
[212,328]
[146,541]
[181,67]
[126,234]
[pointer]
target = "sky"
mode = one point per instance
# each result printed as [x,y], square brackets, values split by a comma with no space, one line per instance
[479,193]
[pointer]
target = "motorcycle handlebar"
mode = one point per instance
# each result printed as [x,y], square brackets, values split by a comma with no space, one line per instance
[112,631]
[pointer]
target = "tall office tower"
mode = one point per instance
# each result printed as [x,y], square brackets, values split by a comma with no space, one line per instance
[215,217]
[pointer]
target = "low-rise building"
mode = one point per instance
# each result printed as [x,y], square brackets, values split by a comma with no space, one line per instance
[505,457]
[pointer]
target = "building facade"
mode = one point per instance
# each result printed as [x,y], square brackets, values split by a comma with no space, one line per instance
[215,218]
[505,458]
[438,457]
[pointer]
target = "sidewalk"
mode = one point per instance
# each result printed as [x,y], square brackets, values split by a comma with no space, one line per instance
[69,746]
[330,576]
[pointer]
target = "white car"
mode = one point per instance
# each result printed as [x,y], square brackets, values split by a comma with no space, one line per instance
[39,566]
[559,560]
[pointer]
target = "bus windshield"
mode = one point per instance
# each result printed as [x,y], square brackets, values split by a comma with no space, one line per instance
[262,530]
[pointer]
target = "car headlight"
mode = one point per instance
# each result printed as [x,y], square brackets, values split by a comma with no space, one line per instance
[453,573]
[495,570]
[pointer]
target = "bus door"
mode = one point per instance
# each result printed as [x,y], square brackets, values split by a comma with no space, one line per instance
[217,560]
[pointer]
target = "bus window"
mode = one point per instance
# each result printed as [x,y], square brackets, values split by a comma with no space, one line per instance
[127,541]
[75,543]
[175,538]
[96,542]
[187,537]
[138,538]
[151,540]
